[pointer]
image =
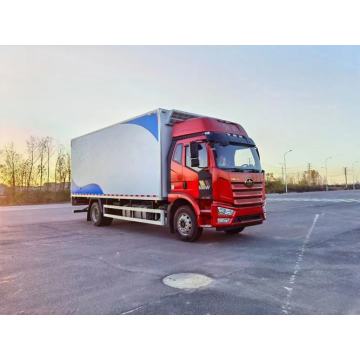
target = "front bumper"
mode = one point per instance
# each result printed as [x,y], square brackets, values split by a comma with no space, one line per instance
[241,217]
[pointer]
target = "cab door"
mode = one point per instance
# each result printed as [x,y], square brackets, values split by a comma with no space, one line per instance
[195,179]
[176,168]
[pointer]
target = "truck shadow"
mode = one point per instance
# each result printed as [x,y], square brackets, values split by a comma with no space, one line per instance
[212,236]
[209,236]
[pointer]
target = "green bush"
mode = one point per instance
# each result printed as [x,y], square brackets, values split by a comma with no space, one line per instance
[274,186]
[278,187]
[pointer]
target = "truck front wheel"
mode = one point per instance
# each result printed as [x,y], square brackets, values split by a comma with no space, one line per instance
[186,225]
[97,217]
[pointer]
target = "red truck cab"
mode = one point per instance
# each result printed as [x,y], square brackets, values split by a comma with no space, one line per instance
[216,179]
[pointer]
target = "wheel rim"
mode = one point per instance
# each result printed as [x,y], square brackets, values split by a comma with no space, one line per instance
[184,224]
[95,213]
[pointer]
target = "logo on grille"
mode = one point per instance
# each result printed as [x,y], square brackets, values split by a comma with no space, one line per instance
[249,183]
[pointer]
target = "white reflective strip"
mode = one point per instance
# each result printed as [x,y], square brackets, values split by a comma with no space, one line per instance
[140,209]
[158,222]
[104,196]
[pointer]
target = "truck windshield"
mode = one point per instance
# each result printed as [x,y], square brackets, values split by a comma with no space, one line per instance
[237,157]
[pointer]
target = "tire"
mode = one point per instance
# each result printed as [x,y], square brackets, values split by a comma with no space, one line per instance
[185,224]
[234,231]
[97,217]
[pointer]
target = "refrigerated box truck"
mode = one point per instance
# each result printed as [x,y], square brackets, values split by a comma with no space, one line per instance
[169,167]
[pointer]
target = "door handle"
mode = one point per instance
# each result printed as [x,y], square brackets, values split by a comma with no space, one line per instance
[184,185]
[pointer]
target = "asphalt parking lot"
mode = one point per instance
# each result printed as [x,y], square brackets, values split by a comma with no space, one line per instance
[305,259]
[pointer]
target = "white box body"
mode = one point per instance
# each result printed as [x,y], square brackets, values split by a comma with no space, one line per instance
[125,159]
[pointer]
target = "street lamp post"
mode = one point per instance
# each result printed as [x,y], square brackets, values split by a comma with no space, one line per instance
[326,173]
[282,172]
[285,175]
[353,173]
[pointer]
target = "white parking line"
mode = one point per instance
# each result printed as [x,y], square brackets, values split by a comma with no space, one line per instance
[270,199]
[133,310]
[286,307]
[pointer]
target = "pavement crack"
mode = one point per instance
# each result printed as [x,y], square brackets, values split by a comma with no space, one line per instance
[121,268]
[154,301]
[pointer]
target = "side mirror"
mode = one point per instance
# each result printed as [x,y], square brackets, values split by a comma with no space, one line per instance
[194,150]
[194,154]
[195,163]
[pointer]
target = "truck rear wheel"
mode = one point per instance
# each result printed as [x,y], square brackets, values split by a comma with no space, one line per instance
[186,225]
[97,217]
[234,231]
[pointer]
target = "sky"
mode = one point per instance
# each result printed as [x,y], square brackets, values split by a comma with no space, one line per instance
[304,98]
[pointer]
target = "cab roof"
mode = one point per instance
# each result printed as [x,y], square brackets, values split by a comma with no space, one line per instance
[206,124]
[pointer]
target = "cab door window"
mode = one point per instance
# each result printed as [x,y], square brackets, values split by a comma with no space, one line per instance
[177,156]
[203,158]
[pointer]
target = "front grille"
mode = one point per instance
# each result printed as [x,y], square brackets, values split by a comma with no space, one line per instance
[245,218]
[247,196]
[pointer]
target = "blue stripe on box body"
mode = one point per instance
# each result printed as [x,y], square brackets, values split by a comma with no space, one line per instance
[94,189]
[148,122]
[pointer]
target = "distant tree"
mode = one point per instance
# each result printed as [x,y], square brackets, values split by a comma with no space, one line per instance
[24,169]
[11,166]
[31,147]
[41,150]
[273,184]
[315,177]
[291,180]
[68,167]
[49,147]
[31,169]
[311,178]
[270,177]
[2,168]
[61,167]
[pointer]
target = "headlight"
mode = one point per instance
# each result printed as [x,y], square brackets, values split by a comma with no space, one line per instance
[225,211]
